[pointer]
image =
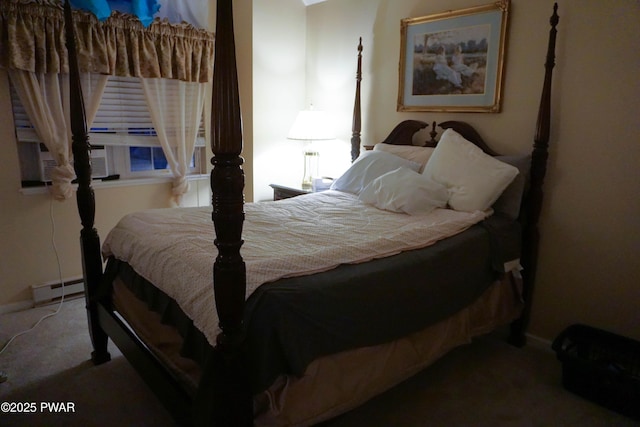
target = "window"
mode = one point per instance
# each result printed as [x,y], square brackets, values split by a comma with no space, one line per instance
[147,158]
[124,141]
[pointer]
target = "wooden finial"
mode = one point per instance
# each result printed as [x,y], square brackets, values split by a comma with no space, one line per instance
[356,126]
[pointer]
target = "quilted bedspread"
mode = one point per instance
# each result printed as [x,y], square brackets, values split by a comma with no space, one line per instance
[173,248]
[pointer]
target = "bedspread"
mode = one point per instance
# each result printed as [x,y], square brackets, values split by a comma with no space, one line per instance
[173,248]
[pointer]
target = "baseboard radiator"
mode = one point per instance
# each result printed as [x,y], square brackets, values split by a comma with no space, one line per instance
[51,292]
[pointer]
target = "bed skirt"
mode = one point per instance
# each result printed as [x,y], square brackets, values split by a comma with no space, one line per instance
[334,384]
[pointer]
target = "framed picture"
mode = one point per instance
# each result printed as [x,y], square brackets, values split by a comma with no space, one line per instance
[454,60]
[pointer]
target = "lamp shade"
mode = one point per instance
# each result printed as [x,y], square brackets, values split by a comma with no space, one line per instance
[312,125]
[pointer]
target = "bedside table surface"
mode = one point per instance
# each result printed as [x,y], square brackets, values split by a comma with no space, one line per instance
[285,191]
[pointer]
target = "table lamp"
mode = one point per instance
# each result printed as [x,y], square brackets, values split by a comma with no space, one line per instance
[311,125]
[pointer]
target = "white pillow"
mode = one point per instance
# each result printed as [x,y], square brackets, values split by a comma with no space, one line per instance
[367,167]
[410,152]
[475,180]
[404,190]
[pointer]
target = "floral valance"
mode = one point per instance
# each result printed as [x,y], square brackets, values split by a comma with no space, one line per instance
[32,39]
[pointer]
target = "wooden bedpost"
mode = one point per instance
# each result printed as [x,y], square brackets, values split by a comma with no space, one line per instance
[89,239]
[357,121]
[533,203]
[231,403]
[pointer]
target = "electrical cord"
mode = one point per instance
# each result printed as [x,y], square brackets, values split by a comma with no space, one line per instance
[3,375]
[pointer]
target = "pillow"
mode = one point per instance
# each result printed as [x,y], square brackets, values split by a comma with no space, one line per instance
[368,167]
[410,152]
[404,190]
[474,179]
[511,198]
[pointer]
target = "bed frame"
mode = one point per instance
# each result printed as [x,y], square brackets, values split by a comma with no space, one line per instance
[228,391]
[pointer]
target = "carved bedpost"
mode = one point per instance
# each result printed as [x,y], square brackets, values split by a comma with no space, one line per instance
[533,205]
[227,179]
[231,400]
[357,121]
[89,239]
[433,134]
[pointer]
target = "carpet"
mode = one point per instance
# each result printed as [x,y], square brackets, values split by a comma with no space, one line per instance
[486,383]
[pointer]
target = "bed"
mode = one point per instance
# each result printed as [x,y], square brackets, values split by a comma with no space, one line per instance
[295,331]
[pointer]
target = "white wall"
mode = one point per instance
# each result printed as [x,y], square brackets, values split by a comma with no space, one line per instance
[279,38]
[243,12]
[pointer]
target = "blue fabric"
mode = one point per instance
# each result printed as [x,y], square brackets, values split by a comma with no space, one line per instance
[143,9]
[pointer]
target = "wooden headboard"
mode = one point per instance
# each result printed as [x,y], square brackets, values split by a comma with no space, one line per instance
[403,134]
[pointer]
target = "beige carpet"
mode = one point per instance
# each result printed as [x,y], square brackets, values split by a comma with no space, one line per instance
[487,383]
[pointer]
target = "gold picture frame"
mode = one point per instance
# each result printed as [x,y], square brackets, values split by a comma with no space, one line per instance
[454,61]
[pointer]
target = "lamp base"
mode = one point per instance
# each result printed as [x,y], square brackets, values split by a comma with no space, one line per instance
[310,169]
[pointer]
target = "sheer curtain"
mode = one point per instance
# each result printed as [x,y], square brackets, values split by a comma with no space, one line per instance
[176,111]
[45,97]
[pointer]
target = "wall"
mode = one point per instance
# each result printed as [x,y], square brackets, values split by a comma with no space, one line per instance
[279,38]
[590,232]
[243,21]
[28,222]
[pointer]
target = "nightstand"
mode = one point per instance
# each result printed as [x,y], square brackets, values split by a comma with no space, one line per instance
[284,192]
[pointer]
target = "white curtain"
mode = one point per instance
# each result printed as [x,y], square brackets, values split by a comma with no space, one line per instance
[45,97]
[93,86]
[176,110]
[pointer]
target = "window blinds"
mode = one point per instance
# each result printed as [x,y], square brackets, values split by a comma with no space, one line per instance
[122,119]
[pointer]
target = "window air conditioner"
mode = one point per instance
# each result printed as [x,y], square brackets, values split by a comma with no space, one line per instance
[99,168]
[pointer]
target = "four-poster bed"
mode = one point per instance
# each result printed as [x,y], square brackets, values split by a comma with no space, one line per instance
[263,359]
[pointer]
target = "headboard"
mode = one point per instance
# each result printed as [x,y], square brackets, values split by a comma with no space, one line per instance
[403,134]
